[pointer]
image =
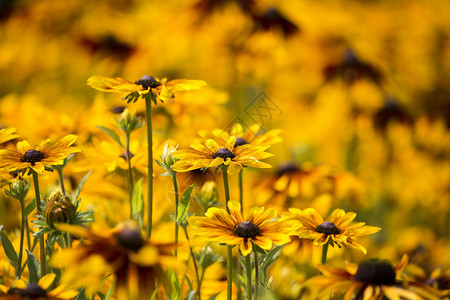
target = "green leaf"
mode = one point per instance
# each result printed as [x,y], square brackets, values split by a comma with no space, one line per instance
[173,291]
[112,134]
[183,206]
[9,249]
[109,293]
[80,186]
[155,292]
[191,295]
[137,203]
[271,257]
[213,297]
[166,174]
[29,208]
[34,267]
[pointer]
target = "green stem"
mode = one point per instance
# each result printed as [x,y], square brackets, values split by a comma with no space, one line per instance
[175,188]
[148,110]
[61,179]
[28,233]
[241,191]
[41,237]
[229,273]
[199,282]
[225,184]
[229,250]
[256,274]
[324,253]
[248,268]
[22,236]
[241,200]
[130,172]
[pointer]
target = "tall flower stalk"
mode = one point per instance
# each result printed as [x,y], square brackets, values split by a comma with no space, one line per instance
[18,189]
[229,249]
[41,237]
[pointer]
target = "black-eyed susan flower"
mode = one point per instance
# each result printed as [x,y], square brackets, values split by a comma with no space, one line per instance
[43,155]
[370,280]
[211,155]
[260,227]
[40,291]
[161,88]
[253,135]
[138,264]
[338,228]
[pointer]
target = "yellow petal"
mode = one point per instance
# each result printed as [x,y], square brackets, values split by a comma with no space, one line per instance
[46,281]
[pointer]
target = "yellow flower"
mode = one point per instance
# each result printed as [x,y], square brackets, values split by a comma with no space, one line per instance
[259,228]
[212,155]
[7,134]
[23,291]
[253,135]
[161,88]
[137,264]
[45,154]
[370,280]
[339,228]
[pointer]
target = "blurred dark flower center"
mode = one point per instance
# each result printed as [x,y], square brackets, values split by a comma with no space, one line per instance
[124,155]
[246,229]
[130,239]
[328,228]
[148,82]
[375,272]
[240,142]
[31,291]
[32,156]
[223,153]
[286,168]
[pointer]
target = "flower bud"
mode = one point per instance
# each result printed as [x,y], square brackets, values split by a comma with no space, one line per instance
[209,195]
[167,158]
[18,189]
[128,121]
[59,209]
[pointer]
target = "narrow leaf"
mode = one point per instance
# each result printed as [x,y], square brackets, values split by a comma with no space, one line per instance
[137,203]
[183,206]
[112,134]
[29,208]
[80,186]
[9,249]
[34,267]
[271,257]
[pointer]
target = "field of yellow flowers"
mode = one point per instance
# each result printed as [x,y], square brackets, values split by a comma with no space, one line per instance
[224,149]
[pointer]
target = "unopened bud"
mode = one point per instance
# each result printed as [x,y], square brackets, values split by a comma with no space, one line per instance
[59,209]
[128,121]
[209,195]
[18,189]
[167,158]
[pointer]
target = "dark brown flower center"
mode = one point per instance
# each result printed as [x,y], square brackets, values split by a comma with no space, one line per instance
[287,167]
[240,142]
[224,153]
[375,272]
[328,228]
[31,291]
[148,82]
[32,156]
[246,229]
[124,155]
[130,239]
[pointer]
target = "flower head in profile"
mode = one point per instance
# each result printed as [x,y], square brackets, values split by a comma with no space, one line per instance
[253,135]
[339,227]
[260,227]
[146,86]
[370,280]
[138,264]
[211,155]
[41,290]
[44,155]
